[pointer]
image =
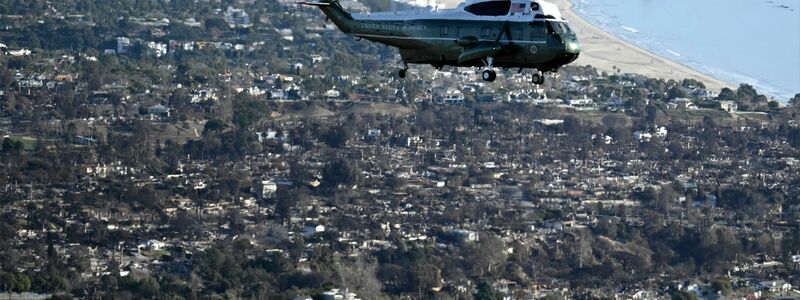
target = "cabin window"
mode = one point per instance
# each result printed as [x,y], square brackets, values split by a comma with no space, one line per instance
[486,32]
[538,30]
[518,34]
[490,8]
[445,31]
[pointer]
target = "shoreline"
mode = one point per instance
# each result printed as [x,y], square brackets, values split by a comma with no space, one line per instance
[604,51]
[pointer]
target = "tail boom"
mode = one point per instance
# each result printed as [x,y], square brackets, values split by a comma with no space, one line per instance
[334,11]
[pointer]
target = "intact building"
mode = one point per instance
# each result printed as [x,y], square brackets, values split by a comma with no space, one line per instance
[123,45]
[729,106]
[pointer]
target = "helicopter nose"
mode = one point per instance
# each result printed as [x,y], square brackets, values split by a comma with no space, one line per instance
[573,46]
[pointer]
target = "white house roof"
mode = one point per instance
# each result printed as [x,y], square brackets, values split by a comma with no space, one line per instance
[459,13]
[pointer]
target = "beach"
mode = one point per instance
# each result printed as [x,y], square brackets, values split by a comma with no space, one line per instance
[606,52]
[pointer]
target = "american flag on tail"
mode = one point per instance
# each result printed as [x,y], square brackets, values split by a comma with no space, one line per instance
[517,7]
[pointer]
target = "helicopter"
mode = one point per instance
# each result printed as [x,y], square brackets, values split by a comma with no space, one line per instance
[487,34]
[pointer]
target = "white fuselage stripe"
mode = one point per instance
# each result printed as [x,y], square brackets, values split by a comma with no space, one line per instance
[450,18]
[442,39]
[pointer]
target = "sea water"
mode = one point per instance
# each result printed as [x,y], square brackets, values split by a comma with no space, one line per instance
[738,41]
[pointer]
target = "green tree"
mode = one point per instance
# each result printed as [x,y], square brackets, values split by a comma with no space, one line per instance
[23,283]
[684,295]
[247,111]
[746,93]
[338,136]
[285,201]
[395,182]
[216,24]
[795,101]
[760,99]
[144,197]
[213,126]
[180,98]
[689,83]
[726,94]
[8,281]
[16,63]
[6,78]
[484,291]
[721,285]
[11,146]
[655,116]
[677,92]
[342,172]
[79,259]
[638,98]
[572,126]
[426,277]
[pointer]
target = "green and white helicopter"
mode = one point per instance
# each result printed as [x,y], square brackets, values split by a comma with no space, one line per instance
[478,33]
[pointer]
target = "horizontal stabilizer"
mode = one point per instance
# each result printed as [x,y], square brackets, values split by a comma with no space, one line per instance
[314,3]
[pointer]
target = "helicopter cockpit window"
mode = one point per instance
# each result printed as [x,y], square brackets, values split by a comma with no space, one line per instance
[534,6]
[554,27]
[565,28]
[490,8]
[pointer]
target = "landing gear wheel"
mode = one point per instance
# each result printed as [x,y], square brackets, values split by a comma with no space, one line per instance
[538,78]
[489,75]
[402,73]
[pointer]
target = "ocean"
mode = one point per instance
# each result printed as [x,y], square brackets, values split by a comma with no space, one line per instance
[737,41]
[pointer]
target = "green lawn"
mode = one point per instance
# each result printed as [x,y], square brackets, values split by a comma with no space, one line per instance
[28,143]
